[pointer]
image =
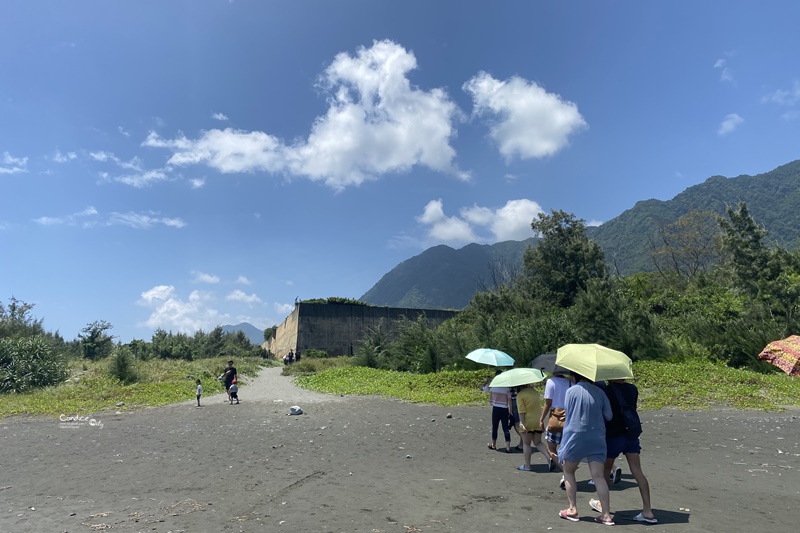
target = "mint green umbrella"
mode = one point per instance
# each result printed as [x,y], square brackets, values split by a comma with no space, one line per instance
[490,356]
[517,377]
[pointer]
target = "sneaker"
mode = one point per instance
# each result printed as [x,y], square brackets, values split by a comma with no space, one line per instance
[616,476]
[591,482]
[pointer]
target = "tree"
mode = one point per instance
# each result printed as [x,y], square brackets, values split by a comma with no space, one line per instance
[744,243]
[564,260]
[688,246]
[95,341]
[15,320]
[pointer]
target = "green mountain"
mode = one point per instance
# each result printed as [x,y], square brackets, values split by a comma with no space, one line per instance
[255,335]
[772,198]
[443,277]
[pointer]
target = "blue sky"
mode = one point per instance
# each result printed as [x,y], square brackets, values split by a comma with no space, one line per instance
[185,164]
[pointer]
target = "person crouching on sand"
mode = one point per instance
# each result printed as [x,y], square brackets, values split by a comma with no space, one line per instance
[233,392]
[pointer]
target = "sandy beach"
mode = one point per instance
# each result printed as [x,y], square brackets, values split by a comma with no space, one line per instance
[374,465]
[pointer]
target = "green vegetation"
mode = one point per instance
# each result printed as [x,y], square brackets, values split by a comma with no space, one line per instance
[694,385]
[91,389]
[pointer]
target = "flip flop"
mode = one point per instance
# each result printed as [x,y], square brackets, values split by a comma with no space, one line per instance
[599,520]
[522,467]
[563,514]
[595,504]
[491,447]
[640,518]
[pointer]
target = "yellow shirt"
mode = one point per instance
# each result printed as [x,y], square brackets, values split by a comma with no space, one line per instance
[529,405]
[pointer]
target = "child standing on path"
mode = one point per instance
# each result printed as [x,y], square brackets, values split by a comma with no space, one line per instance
[199,392]
[233,391]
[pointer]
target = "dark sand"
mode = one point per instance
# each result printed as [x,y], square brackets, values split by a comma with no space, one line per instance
[374,465]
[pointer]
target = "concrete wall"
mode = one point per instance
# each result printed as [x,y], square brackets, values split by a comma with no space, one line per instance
[337,328]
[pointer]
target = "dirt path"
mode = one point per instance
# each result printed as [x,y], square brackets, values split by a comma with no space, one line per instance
[370,464]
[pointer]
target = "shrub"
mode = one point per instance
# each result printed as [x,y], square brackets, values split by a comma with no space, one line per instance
[122,365]
[315,354]
[27,363]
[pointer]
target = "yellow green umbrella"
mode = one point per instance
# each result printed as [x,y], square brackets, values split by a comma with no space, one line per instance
[594,361]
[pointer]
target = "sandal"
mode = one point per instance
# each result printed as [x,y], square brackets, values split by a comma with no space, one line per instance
[594,503]
[599,520]
[563,514]
[492,446]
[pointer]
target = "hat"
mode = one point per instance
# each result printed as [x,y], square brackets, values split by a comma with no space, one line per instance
[234,381]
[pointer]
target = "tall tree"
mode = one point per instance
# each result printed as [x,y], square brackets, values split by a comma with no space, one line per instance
[564,260]
[95,341]
[744,243]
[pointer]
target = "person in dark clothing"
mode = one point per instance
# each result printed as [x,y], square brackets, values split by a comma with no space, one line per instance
[619,442]
[229,376]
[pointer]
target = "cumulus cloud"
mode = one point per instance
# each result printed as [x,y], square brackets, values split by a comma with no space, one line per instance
[122,131]
[480,224]
[202,277]
[168,311]
[283,309]
[725,71]
[376,123]
[527,121]
[13,165]
[200,311]
[241,296]
[729,124]
[242,280]
[197,183]
[219,116]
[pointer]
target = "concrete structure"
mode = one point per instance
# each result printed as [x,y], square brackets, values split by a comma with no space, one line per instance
[337,328]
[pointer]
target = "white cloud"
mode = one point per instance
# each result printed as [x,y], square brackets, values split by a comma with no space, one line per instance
[594,223]
[202,277]
[197,183]
[219,116]
[168,311]
[139,177]
[58,157]
[123,132]
[283,309]
[785,97]
[142,220]
[242,280]
[13,165]
[510,222]
[376,123]
[528,122]
[240,296]
[72,219]
[444,228]
[725,71]
[729,124]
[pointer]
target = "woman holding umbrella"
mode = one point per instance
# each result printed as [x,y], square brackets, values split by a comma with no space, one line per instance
[584,439]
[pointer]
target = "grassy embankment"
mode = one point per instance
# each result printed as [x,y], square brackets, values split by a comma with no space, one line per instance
[695,385]
[689,385]
[90,389]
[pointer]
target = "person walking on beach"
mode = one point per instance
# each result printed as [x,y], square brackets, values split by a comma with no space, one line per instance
[199,392]
[529,406]
[619,441]
[553,414]
[500,400]
[229,376]
[584,439]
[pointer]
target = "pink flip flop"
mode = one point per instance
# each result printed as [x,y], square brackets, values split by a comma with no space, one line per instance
[599,520]
[563,514]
